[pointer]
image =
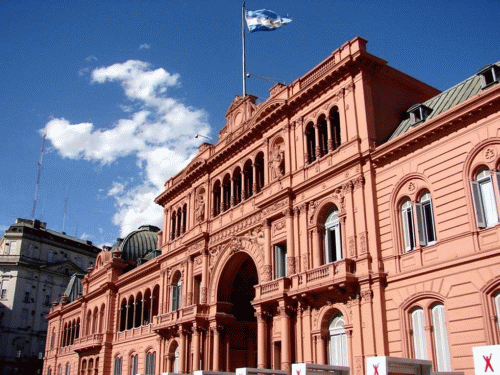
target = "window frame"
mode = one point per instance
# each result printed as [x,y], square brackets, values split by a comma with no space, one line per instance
[280,261]
[484,201]
[425,220]
[332,248]
[337,341]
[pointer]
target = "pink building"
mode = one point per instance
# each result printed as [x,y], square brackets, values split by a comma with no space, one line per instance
[320,228]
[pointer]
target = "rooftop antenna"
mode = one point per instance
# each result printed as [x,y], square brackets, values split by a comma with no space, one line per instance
[38,176]
[76,230]
[42,215]
[202,136]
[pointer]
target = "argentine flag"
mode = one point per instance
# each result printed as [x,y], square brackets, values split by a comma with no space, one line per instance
[264,20]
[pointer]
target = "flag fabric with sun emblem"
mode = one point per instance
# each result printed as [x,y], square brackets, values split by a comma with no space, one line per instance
[264,20]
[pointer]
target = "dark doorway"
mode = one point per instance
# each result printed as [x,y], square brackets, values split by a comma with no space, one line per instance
[236,313]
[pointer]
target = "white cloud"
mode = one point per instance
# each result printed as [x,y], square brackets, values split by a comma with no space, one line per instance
[144,46]
[90,58]
[83,71]
[159,131]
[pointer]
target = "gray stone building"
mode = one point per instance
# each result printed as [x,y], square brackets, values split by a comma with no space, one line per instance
[36,265]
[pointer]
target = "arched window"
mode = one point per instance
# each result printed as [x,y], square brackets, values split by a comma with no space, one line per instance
[67,370]
[333,242]
[407,224]
[179,222]
[419,340]
[337,345]
[173,225]
[133,364]
[95,320]
[49,371]
[323,135]
[176,292]
[101,319]
[147,307]
[123,316]
[259,172]
[226,193]
[175,364]
[216,199]
[335,126]
[425,220]
[497,308]
[52,338]
[484,199]
[90,367]
[248,179]
[440,332]
[311,143]
[237,186]
[184,218]
[431,315]
[150,363]
[118,366]
[83,370]
[130,317]
[139,311]
[89,323]
[155,300]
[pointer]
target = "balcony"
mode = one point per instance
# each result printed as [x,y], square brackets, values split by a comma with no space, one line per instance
[272,289]
[133,333]
[338,274]
[171,319]
[88,342]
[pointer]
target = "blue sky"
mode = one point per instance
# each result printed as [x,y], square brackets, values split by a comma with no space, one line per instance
[122,87]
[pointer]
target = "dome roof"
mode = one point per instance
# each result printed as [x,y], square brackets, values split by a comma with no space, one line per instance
[138,243]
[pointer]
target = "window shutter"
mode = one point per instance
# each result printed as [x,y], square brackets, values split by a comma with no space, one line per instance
[419,340]
[441,339]
[406,231]
[422,236]
[478,204]
[338,246]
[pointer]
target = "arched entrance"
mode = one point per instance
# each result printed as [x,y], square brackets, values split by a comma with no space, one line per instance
[235,313]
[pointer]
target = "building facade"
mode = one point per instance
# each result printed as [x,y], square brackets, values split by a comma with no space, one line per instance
[36,264]
[320,228]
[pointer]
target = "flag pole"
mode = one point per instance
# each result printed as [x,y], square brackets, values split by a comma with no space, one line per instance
[243,48]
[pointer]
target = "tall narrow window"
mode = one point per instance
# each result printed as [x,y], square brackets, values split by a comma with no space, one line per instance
[419,340]
[175,365]
[237,186]
[184,218]
[179,222]
[259,172]
[407,222]
[226,193]
[176,293]
[337,346]
[133,364]
[216,199]
[333,247]
[280,260]
[484,199]
[248,179]
[425,220]
[311,143]
[497,307]
[173,225]
[150,363]
[323,135]
[67,370]
[335,126]
[441,338]
[118,366]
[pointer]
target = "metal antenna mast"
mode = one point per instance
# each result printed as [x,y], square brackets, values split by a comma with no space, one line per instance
[65,208]
[38,177]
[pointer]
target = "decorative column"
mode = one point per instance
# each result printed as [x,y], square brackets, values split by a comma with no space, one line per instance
[126,318]
[242,186]
[196,348]
[306,320]
[285,337]
[316,137]
[232,201]
[299,334]
[267,250]
[290,242]
[332,143]
[150,318]
[261,338]
[133,316]
[204,277]
[266,161]
[182,350]
[184,288]
[142,310]
[189,282]
[254,179]
[216,331]
[304,241]
[317,248]
[321,349]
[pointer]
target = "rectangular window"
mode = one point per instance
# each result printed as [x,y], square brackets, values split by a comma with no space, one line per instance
[197,289]
[176,297]
[280,260]
[24,318]
[408,230]
[150,363]
[441,339]
[4,288]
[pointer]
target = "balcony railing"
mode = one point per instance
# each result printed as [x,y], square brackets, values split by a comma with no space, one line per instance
[134,332]
[87,342]
[326,275]
[172,318]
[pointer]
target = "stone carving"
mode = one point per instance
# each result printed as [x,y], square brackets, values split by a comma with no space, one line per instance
[278,162]
[363,242]
[412,186]
[266,273]
[312,207]
[199,211]
[490,153]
